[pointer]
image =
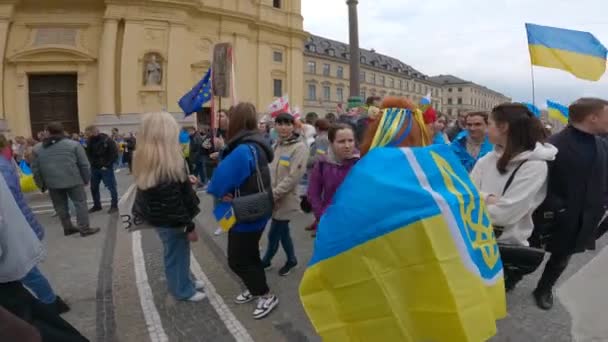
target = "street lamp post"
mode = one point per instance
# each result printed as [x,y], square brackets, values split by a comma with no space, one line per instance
[353,24]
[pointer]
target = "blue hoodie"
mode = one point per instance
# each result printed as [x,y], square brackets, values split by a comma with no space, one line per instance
[459,146]
[7,169]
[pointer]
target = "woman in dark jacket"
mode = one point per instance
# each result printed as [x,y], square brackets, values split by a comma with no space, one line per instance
[165,199]
[237,172]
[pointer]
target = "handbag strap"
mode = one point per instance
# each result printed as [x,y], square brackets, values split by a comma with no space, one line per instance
[512,176]
[258,173]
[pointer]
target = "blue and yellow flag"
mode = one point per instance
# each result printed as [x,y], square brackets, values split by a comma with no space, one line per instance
[405,253]
[558,111]
[576,52]
[224,215]
[532,108]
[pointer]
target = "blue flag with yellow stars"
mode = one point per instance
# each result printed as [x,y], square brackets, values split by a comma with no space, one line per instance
[405,253]
[200,94]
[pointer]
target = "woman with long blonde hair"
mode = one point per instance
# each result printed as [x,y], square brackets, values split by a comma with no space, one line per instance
[165,199]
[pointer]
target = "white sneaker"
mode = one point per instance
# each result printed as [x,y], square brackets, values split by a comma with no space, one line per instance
[197,297]
[244,297]
[265,305]
[218,232]
[199,284]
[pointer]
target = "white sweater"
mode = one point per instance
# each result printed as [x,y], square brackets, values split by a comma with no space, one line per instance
[513,211]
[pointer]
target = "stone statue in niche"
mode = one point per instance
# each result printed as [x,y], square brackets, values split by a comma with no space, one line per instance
[153,71]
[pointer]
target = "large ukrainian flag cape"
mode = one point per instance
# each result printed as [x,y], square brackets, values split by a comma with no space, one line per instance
[406,252]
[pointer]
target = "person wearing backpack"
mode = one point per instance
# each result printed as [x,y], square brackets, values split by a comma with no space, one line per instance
[576,191]
[330,170]
[512,178]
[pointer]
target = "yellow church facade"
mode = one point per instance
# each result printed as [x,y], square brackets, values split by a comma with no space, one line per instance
[86,62]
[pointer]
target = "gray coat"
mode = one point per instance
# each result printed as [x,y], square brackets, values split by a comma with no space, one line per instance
[60,163]
[20,249]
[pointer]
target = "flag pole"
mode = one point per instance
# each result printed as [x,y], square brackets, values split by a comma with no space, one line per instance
[533,86]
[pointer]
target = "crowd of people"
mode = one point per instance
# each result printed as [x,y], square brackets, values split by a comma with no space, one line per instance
[267,171]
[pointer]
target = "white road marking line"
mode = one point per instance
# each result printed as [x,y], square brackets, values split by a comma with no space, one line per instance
[48,208]
[232,323]
[50,204]
[153,321]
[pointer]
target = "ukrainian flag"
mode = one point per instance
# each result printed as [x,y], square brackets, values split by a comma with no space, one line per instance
[532,108]
[405,253]
[576,52]
[558,111]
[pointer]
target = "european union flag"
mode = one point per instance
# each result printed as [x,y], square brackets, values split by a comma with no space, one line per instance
[200,94]
[532,108]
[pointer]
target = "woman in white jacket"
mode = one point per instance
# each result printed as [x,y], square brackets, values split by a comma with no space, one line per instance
[521,154]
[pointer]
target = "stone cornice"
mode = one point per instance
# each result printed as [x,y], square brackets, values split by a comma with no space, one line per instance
[132,11]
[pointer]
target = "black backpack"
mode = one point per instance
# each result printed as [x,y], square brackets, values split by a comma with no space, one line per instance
[543,218]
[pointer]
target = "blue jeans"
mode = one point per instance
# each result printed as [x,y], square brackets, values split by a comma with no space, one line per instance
[37,283]
[200,171]
[177,262]
[279,232]
[109,180]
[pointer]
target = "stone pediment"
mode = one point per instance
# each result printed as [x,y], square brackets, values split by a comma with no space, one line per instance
[51,54]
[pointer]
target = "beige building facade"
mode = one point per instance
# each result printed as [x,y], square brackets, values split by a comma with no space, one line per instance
[326,77]
[460,96]
[100,62]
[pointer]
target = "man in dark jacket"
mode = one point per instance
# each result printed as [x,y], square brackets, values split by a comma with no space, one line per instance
[197,166]
[576,189]
[102,152]
[60,165]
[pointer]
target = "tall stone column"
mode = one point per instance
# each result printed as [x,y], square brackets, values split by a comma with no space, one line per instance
[3,39]
[107,67]
[353,24]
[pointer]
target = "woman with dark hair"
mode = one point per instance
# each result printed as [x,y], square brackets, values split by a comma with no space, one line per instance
[513,177]
[244,164]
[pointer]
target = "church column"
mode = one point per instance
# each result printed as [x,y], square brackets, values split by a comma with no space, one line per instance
[107,67]
[178,70]
[131,79]
[6,14]
[4,23]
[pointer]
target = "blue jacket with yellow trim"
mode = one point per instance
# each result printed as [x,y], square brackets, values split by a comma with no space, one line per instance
[459,147]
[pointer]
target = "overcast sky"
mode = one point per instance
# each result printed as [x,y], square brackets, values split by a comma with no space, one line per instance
[483,41]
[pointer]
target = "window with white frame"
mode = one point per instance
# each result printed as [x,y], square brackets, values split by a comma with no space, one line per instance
[312,67]
[312,92]
[326,93]
[340,94]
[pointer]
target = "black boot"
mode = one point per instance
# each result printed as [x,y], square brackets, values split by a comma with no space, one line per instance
[58,306]
[68,227]
[86,231]
[61,306]
[544,298]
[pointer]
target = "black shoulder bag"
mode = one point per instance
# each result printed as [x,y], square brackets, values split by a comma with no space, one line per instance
[256,206]
[518,259]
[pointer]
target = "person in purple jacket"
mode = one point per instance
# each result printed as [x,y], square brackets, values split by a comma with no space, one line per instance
[331,169]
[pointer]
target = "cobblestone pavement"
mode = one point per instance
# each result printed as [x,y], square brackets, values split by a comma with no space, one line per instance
[97,277]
